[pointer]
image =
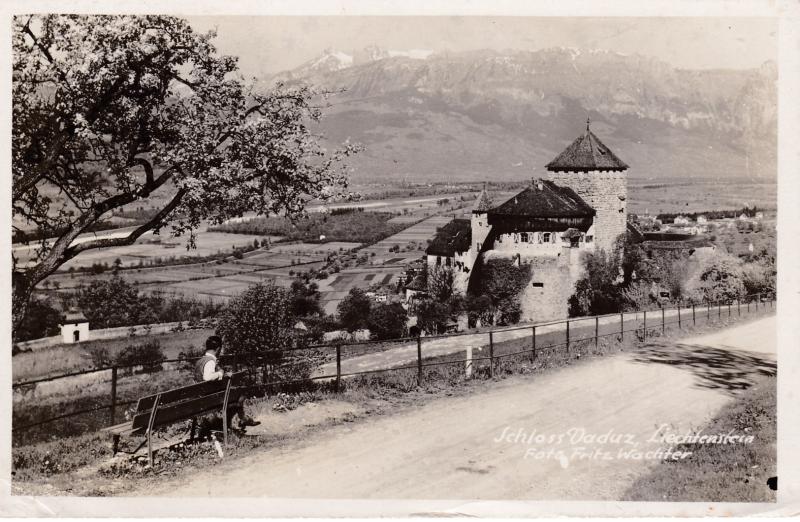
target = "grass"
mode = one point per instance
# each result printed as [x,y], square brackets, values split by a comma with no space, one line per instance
[71,357]
[723,472]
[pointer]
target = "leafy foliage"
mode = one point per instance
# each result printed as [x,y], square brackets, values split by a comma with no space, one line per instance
[43,320]
[148,354]
[387,320]
[114,302]
[112,110]
[258,321]
[305,298]
[721,278]
[502,281]
[440,283]
[432,316]
[354,310]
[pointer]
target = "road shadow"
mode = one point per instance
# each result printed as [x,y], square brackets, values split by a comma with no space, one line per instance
[726,369]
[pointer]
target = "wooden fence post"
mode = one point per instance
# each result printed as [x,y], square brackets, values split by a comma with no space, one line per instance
[491,354]
[533,343]
[567,335]
[694,320]
[645,325]
[419,360]
[679,316]
[663,323]
[729,309]
[708,312]
[738,307]
[621,326]
[113,413]
[719,310]
[596,330]
[338,367]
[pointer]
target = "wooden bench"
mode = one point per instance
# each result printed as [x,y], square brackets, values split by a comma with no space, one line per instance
[172,406]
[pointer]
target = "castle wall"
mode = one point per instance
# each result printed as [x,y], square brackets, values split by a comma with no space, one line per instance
[607,193]
[553,277]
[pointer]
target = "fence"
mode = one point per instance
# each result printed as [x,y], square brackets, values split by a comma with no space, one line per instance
[334,362]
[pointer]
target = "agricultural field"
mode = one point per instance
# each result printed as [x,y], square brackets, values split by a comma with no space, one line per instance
[697,195]
[149,248]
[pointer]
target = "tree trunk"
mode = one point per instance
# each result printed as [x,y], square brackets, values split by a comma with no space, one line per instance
[21,294]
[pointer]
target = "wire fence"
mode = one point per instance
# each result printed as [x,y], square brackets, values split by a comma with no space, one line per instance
[103,393]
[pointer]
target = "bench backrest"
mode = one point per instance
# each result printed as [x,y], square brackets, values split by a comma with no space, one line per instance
[185,402]
[200,389]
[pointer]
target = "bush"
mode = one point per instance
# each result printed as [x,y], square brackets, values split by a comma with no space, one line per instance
[100,357]
[149,355]
[258,325]
[387,321]
[42,320]
[354,310]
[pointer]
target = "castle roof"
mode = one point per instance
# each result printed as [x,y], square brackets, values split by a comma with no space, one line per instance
[586,153]
[545,199]
[484,202]
[455,236]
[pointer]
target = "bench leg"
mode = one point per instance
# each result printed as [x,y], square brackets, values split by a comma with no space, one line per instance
[193,429]
[115,446]
[150,448]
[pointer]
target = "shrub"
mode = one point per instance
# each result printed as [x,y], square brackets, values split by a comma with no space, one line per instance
[100,357]
[387,320]
[354,310]
[42,320]
[149,355]
[258,325]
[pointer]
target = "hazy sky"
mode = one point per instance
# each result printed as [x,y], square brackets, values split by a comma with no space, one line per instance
[271,44]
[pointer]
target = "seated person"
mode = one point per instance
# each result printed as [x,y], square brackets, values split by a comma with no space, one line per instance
[207,369]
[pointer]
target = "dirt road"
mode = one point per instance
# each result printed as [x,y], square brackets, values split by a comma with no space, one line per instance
[580,433]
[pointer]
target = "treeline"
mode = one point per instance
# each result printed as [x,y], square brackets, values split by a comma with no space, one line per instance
[20,236]
[112,303]
[352,225]
[710,214]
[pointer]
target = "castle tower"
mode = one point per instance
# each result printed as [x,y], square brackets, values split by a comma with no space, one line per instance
[598,176]
[480,224]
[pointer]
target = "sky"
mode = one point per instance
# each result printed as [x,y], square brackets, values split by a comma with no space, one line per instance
[269,44]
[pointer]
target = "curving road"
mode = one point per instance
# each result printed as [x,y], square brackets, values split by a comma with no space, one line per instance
[596,421]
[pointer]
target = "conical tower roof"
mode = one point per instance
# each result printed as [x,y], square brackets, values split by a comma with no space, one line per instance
[484,202]
[587,152]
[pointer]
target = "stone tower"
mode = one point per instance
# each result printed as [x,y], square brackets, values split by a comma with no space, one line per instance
[598,176]
[480,224]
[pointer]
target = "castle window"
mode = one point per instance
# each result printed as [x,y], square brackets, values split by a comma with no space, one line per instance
[538,285]
[546,236]
[516,238]
[589,239]
[438,260]
[447,261]
[477,245]
[524,237]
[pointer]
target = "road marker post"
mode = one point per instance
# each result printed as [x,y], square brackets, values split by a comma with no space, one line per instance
[663,324]
[621,326]
[596,330]
[645,325]
[533,343]
[567,336]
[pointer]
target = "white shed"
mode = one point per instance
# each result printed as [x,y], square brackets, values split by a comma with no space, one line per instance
[75,328]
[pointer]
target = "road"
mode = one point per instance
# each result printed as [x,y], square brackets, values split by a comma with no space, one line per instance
[405,354]
[607,413]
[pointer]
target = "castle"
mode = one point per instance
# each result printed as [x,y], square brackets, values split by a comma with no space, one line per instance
[579,207]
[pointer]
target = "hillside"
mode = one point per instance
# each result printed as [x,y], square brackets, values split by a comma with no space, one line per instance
[484,114]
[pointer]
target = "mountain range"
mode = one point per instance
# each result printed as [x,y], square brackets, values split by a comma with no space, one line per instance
[490,115]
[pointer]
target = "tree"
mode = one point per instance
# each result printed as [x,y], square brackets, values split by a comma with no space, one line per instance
[502,281]
[257,324]
[114,302]
[720,278]
[305,298]
[112,110]
[432,316]
[43,320]
[598,291]
[387,320]
[440,283]
[354,310]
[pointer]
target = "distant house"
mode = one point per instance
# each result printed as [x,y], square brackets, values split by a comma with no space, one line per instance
[759,215]
[75,327]
[743,217]
[681,220]
[701,220]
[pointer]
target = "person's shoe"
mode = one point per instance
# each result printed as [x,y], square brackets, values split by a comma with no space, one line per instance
[249,421]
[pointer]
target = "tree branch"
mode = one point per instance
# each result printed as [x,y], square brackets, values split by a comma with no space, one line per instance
[130,239]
